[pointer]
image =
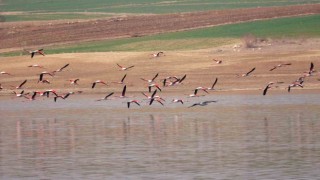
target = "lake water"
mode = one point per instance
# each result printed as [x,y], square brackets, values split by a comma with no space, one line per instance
[239,137]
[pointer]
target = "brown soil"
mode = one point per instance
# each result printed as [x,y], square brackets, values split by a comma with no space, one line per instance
[198,65]
[40,34]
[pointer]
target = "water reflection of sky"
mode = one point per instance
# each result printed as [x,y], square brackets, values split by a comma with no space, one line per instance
[240,137]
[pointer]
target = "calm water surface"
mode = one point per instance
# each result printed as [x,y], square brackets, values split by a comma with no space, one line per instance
[239,137]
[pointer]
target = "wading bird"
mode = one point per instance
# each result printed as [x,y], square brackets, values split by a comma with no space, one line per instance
[266,88]
[60,69]
[150,80]
[204,103]
[5,73]
[62,97]
[214,83]
[158,54]
[279,65]
[31,98]
[37,51]
[153,85]
[20,86]
[124,68]
[36,65]
[217,61]
[19,94]
[156,99]
[248,73]
[132,101]
[74,81]
[42,74]
[123,94]
[96,82]
[177,101]
[122,80]
[106,97]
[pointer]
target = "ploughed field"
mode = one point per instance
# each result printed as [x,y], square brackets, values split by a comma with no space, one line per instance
[19,35]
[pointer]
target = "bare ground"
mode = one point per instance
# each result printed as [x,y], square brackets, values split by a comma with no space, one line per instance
[197,65]
[41,34]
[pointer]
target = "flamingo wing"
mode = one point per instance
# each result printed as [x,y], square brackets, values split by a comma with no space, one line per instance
[215,82]
[123,78]
[124,90]
[155,77]
[22,83]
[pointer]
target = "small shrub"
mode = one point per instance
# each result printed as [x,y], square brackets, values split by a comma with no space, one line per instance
[250,41]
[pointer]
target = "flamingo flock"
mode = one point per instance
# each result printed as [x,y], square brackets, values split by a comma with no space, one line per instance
[152,85]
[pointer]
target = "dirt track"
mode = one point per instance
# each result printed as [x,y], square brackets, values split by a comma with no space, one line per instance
[41,34]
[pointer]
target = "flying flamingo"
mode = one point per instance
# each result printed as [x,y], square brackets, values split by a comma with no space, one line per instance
[203,89]
[172,83]
[74,81]
[5,73]
[44,81]
[124,68]
[150,80]
[60,69]
[20,86]
[153,85]
[62,97]
[311,70]
[36,65]
[177,101]
[37,51]
[150,97]
[97,81]
[156,99]
[47,93]
[214,83]
[217,61]
[132,101]
[106,97]
[296,83]
[204,103]
[194,94]
[248,73]
[158,54]
[19,94]
[123,94]
[267,87]
[42,74]
[122,80]
[279,65]
[32,98]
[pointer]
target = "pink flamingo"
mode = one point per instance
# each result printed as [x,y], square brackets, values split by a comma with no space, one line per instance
[177,101]
[37,51]
[36,65]
[106,97]
[63,97]
[20,86]
[60,69]
[248,73]
[5,73]
[132,101]
[98,81]
[122,80]
[32,98]
[74,81]
[150,80]
[279,65]
[217,61]
[124,68]
[214,83]
[153,85]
